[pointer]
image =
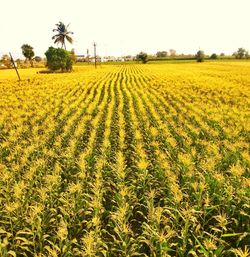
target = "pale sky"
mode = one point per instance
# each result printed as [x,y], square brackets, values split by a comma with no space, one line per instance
[122,27]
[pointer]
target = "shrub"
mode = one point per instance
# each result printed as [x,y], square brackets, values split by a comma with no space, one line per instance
[142,57]
[200,56]
[214,56]
[28,53]
[6,61]
[58,59]
[38,59]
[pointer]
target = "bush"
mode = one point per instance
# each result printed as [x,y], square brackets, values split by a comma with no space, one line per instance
[58,59]
[241,53]
[6,61]
[214,56]
[38,59]
[200,56]
[142,57]
[28,53]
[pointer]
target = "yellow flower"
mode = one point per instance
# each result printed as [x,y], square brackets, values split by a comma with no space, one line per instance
[242,253]
[89,244]
[12,206]
[74,188]
[137,135]
[142,164]
[209,244]
[222,220]
[237,170]
[153,131]
[62,231]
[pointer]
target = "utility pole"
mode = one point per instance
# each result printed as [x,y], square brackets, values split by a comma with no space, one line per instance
[95,52]
[12,60]
[88,55]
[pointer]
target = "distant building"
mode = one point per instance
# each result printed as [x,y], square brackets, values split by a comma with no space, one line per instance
[81,58]
[120,59]
[109,59]
[92,59]
[129,58]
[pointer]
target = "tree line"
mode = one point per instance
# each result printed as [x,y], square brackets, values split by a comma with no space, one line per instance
[56,58]
[200,56]
[61,59]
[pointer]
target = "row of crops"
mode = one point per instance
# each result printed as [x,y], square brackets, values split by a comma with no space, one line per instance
[129,160]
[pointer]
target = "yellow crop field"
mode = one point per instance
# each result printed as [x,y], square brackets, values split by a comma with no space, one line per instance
[126,160]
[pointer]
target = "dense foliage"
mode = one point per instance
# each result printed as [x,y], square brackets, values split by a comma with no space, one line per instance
[28,52]
[200,56]
[58,59]
[241,53]
[214,56]
[6,61]
[129,160]
[143,57]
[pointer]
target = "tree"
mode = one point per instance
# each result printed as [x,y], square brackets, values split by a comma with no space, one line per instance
[62,35]
[142,57]
[28,52]
[73,55]
[241,53]
[6,61]
[162,54]
[58,59]
[38,59]
[214,56]
[247,55]
[172,52]
[200,56]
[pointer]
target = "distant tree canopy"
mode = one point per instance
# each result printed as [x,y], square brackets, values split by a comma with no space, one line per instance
[28,52]
[143,57]
[73,55]
[162,54]
[6,61]
[37,58]
[172,52]
[241,53]
[62,35]
[214,56]
[200,56]
[59,59]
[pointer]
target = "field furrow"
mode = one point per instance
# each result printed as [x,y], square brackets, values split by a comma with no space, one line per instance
[126,160]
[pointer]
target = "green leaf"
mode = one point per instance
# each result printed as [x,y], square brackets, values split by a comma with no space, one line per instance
[24,241]
[3,231]
[12,253]
[218,251]
[232,234]
[24,232]
[201,246]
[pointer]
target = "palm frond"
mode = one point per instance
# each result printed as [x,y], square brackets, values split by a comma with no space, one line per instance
[69,39]
[62,34]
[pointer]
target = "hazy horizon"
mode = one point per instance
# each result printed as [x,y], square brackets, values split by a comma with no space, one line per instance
[128,27]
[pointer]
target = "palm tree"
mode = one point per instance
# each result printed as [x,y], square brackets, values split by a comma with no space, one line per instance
[62,34]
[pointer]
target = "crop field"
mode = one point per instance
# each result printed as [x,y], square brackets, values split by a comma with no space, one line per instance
[126,160]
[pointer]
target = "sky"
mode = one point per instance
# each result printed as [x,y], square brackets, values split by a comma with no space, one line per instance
[126,27]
